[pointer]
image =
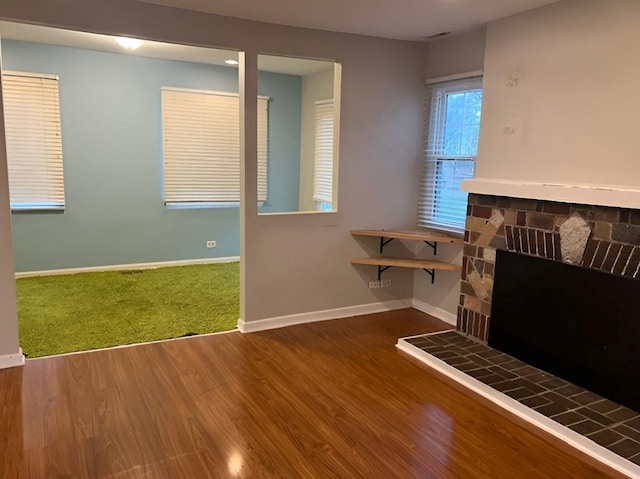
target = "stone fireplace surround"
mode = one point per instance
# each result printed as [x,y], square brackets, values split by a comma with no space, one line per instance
[599,237]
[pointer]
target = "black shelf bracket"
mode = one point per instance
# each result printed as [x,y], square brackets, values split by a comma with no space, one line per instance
[384,242]
[382,269]
[432,273]
[434,245]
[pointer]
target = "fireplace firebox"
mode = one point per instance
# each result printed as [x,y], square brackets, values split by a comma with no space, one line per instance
[577,323]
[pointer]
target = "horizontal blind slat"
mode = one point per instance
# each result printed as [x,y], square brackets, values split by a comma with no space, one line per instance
[201,138]
[323,155]
[34,140]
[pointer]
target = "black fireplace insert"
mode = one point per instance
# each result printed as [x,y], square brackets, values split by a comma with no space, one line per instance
[576,323]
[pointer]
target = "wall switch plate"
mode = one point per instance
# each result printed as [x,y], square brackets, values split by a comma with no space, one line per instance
[211,244]
[385,283]
[374,284]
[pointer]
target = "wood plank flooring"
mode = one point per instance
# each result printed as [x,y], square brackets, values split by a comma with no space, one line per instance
[333,399]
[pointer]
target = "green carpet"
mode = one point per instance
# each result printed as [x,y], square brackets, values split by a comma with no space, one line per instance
[60,314]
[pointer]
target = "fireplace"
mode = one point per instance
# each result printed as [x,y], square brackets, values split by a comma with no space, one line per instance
[577,323]
[595,237]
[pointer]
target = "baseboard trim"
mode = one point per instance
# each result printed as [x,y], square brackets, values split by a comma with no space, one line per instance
[120,267]
[446,316]
[12,360]
[578,441]
[338,313]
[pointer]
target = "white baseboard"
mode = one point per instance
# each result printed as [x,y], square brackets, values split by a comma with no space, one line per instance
[548,425]
[121,267]
[446,316]
[12,360]
[338,313]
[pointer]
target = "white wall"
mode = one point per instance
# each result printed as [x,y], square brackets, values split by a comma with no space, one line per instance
[293,263]
[314,87]
[561,95]
[449,56]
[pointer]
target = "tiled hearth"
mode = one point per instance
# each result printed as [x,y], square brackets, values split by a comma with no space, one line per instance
[606,423]
[602,238]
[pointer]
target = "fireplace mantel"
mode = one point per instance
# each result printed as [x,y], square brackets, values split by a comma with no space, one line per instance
[600,195]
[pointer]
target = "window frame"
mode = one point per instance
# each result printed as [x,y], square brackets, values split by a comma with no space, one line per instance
[433,156]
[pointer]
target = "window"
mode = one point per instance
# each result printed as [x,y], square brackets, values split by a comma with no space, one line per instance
[34,141]
[201,134]
[452,144]
[323,156]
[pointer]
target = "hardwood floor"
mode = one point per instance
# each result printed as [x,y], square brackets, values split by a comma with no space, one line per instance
[326,400]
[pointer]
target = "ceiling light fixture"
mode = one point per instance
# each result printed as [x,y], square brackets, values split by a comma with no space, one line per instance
[231,62]
[129,43]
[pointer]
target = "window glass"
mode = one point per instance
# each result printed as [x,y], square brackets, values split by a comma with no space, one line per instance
[454,110]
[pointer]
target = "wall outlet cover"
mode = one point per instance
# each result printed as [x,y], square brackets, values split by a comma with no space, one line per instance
[374,284]
[385,283]
[211,244]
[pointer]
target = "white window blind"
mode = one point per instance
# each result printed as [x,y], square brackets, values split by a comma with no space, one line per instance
[323,157]
[34,141]
[201,134]
[452,128]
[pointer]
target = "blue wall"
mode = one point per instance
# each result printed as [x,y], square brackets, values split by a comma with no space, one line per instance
[112,149]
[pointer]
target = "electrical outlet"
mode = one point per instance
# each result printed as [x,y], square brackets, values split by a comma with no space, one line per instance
[374,284]
[385,283]
[211,244]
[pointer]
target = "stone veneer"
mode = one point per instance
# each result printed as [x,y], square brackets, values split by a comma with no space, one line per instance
[598,237]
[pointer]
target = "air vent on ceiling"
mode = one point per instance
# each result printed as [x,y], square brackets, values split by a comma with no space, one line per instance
[437,35]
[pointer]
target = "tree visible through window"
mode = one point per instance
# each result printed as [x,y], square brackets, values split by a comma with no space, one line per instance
[454,110]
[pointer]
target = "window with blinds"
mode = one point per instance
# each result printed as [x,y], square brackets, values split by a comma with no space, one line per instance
[452,129]
[323,156]
[201,135]
[34,140]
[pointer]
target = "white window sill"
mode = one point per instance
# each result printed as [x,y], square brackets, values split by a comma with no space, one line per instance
[37,208]
[199,205]
[443,229]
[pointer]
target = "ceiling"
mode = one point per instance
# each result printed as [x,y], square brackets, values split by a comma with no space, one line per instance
[164,51]
[401,19]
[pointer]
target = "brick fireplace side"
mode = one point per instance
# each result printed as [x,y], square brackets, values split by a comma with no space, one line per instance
[598,237]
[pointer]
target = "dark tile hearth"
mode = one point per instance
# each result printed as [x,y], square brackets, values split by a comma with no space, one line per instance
[609,424]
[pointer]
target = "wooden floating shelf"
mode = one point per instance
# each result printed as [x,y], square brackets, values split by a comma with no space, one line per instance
[430,236]
[407,263]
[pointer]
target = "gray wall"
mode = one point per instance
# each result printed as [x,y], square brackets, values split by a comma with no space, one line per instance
[111,122]
[294,263]
[449,56]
